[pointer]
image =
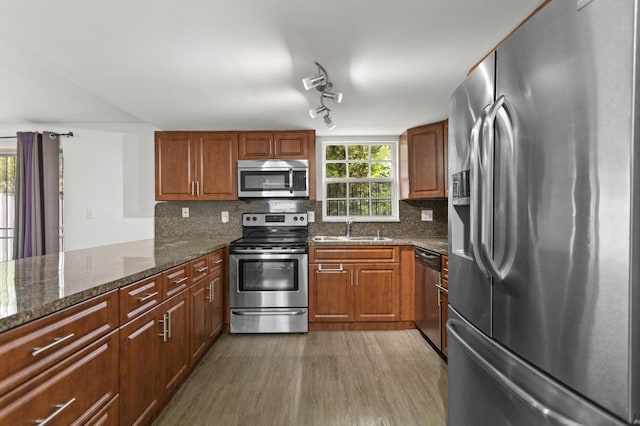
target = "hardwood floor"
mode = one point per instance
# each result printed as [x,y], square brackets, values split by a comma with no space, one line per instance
[321,378]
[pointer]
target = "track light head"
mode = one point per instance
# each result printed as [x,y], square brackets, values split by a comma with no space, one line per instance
[315,81]
[336,97]
[329,121]
[318,111]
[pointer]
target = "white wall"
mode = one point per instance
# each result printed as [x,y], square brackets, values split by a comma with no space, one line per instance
[108,169]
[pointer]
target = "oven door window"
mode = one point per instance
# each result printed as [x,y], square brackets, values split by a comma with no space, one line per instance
[268,275]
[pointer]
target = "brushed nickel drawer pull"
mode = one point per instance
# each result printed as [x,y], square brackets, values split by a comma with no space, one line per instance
[202,269]
[217,262]
[60,409]
[147,297]
[330,270]
[181,280]
[56,341]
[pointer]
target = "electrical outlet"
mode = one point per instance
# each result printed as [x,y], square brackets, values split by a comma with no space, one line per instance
[185,212]
[311,216]
[427,215]
[224,217]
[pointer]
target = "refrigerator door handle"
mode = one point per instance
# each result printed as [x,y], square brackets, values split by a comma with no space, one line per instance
[556,418]
[475,182]
[500,111]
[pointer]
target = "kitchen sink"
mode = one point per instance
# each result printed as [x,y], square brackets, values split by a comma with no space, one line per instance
[350,238]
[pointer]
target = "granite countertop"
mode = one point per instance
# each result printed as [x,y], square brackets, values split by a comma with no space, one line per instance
[439,245]
[34,287]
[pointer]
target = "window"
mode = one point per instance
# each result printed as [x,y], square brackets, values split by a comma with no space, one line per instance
[7,205]
[360,181]
[7,200]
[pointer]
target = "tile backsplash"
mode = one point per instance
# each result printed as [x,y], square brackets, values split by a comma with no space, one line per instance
[205,218]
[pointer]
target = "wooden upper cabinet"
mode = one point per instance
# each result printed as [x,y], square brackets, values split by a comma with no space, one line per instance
[422,162]
[217,169]
[196,165]
[174,165]
[291,145]
[255,145]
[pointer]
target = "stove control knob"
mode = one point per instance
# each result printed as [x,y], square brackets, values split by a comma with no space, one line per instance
[301,218]
[295,218]
[254,218]
[247,219]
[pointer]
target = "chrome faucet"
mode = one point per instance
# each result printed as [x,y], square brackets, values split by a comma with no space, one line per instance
[348,229]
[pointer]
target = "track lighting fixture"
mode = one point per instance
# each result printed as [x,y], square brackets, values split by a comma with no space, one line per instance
[321,83]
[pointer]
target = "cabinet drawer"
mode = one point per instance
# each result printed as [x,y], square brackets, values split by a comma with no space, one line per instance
[71,392]
[343,254]
[217,259]
[109,415]
[175,280]
[200,268]
[445,267]
[138,298]
[32,348]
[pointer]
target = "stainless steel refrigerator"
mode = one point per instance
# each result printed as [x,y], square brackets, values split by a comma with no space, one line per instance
[544,224]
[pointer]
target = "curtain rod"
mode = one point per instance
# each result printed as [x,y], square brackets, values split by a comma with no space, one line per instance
[68,135]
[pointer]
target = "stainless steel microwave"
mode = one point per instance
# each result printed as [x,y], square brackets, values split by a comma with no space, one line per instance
[273,178]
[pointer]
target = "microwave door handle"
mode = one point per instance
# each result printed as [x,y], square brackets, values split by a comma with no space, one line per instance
[291,180]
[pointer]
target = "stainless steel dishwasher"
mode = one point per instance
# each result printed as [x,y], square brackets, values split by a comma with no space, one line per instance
[428,266]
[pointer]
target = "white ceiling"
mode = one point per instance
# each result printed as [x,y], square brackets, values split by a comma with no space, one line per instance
[223,64]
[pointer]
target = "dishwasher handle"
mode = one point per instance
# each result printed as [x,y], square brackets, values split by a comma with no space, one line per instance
[428,259]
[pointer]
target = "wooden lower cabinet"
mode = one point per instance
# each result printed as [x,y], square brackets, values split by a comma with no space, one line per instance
[354,293]
[354,284]
[109,415]
[215,298]
[444,300]
[154,359]
[331,293]
[71,392]
[140,364]
[175,352]
[198,295]
[377,293]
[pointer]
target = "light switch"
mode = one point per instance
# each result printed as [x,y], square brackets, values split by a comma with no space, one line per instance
[427,215]
[311,216]
[185,212]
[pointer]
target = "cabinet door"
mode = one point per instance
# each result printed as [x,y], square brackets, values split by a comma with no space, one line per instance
[377,293]
[426,161]
[444,313]
[174,164]
[255,145]
[175,353]
[330,293]
[215,314]
[217,165]
[198,299]
[290,145]
[140,364]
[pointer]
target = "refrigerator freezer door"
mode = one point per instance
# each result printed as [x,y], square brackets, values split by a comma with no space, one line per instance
[469,285]
[493,387]
[564,303]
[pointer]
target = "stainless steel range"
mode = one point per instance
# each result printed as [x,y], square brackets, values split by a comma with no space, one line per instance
[268,284]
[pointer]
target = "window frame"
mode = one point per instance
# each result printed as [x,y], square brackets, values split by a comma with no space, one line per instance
[394,179]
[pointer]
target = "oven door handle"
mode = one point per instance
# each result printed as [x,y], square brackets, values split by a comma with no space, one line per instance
[261,313]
